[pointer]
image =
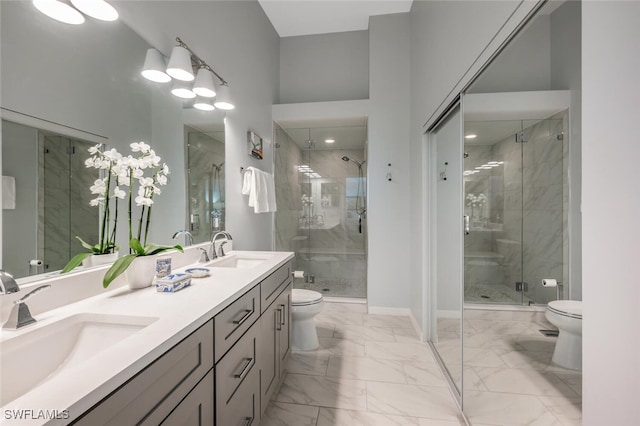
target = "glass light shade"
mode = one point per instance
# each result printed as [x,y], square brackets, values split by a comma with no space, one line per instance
[154,66]
[203,104]
[222,98]
[179,66]
[182,90]
[204,84]
[98,9]
[59,11]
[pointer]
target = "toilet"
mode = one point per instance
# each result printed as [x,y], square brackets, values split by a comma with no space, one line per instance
[305,305]
[567,316]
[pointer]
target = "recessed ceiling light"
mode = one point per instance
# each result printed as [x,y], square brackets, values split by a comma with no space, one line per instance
[329,140]
[470,136]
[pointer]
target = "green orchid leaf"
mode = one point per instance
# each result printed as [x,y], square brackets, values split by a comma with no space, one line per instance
[87,245]
[75,261]
[118,267]
[134,243]
[151,249]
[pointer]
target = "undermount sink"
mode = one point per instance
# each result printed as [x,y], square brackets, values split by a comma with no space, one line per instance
[238,261]
[32,358]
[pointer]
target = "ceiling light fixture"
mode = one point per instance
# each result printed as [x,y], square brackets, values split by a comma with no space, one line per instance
[59,11]
[470,136]
[329,141]
[98,9]
[182,63]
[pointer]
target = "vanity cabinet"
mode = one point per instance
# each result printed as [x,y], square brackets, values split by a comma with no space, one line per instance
[275,342]
[222,374]
[152,395]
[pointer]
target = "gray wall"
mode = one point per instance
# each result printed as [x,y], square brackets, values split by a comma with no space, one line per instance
[325,67]
[388,214]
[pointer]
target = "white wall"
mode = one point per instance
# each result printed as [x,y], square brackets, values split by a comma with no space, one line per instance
[388,211]
[325,67]
[610,206]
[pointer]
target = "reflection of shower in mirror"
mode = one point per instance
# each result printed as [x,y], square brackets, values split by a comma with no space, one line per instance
[360,201]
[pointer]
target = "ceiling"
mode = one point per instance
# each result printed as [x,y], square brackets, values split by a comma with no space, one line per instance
[305,17]
[348,133]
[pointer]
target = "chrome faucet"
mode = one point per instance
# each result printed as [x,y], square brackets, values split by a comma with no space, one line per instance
[20,314]
[227,237]
[8,285]
[188,238]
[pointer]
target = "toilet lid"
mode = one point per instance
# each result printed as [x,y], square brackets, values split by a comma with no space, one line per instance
[305,297]
[568,308]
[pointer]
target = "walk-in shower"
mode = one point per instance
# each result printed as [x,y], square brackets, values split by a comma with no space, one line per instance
[515,187]
[322,205]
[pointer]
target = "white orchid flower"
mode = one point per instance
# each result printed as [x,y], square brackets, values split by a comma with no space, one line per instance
[98,187]
[143,201]
[162,180]
[90,162]
[95,149]
[146,182]
[119,193]
[96,201]
[165,169]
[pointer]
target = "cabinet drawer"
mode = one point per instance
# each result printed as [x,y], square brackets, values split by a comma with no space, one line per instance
[243,408]
[235,319]
[237,364]
[270,287]
[150,396]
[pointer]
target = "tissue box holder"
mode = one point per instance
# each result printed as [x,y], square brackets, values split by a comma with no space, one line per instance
[173,282]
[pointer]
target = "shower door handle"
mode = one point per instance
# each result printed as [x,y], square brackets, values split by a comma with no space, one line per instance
[466,224]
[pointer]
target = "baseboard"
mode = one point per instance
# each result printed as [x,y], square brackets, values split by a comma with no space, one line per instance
[336,299]
[379,310]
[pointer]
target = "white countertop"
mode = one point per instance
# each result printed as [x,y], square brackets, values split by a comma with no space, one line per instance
[179,314]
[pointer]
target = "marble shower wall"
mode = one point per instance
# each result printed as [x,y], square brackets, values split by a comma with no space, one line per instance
[317,217]
[63,208]
[524,220]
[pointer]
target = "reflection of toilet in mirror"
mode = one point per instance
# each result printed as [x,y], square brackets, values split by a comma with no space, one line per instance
[567,316]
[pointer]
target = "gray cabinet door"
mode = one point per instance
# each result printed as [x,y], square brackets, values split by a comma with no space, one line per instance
[269,353]
[284,333]
[197,408]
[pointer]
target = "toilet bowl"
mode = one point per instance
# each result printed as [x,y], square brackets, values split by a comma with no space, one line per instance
[305,305]
[567,316]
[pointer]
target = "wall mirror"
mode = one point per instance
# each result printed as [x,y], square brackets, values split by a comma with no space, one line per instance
[521,189]
[78,86]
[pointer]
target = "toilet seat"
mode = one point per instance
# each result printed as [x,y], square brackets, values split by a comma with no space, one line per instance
[301,297]
[567,308]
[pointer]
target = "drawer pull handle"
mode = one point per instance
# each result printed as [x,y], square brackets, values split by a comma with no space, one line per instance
[282,315]
[248,421]
[247,314]
[278,320]
[249,362]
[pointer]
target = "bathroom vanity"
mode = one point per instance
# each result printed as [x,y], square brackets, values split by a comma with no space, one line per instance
[212,353]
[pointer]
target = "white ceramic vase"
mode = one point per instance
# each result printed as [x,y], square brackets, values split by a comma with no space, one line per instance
[100,259]
[141,272]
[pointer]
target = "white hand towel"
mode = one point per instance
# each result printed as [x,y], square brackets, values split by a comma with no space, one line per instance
[271,192]
[8,193]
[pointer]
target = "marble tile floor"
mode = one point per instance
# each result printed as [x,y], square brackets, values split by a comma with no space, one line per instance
[369,370]
[509,376]
[373,370]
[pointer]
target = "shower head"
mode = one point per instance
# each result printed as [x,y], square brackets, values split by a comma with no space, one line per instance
[345,158]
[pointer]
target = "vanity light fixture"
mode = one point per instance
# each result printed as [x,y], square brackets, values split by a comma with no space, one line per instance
[59,11]
[70,13]
[179,66]
[98,9]
[155,66]
[203,104]
[182,90]
[182,63]
[204,84]
[222,97]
